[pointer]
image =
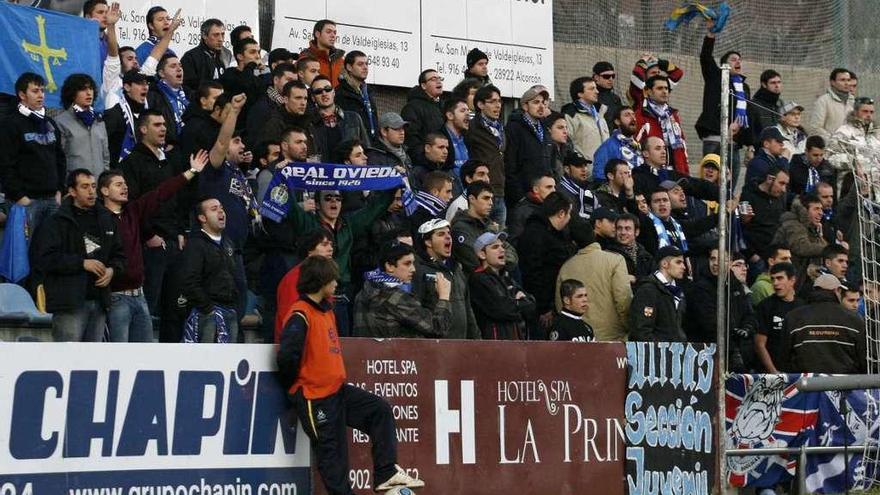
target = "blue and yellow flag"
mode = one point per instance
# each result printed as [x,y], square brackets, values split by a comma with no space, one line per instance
[689,10]
[48,43]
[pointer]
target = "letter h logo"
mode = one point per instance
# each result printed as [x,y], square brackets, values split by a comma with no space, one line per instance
[448,421]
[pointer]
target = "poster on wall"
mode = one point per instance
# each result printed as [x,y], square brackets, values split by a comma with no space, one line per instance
[516,35]
[138,419]
[387,31]
[132,25]
[670,409]
[533,418]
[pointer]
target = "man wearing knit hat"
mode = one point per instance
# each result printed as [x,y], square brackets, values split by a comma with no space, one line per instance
[604,75]
[478,66]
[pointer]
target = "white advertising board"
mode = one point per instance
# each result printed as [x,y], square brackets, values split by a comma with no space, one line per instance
[517,35]
[387,31]
[128,418]
[132,25]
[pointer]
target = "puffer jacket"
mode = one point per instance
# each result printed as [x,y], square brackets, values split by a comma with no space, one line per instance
[586,133]
[804,240]
[331,61]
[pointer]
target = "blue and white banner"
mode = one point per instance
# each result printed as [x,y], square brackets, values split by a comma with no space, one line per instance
[768,411]
[324,177]
[133,419]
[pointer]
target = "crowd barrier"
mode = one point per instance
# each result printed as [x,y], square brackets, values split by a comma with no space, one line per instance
[473,418]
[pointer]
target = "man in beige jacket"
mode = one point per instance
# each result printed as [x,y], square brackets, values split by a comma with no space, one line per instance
[831,109]
[607,281]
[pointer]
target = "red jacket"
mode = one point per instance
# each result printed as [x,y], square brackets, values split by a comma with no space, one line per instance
[132,219]
[286,296]
[677,159]
[331,62]
[639,76]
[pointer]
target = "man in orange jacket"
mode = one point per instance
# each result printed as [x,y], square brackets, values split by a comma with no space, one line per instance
[323,49]
[310,364]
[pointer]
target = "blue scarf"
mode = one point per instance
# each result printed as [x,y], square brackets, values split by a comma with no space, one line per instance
[671,129]
[432,204]
[590,109]
[461,152]
[812,178]
[740,114]
[536,125]
[630,149]
[191,326]
[677,291]
[371,116]
[379,276]
[128,139]
[177,99]
[827,214]
[663,235]
[87,116]
[738,238]
[495,128]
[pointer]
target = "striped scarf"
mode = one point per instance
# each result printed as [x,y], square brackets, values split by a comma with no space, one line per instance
[191,326]
[379,276]
[495,128]
[178,101]
[582,194]
[740,114]
[677,291]
[129,139]
[432,204]
[812,179]
[671,129]
[663,234]
[536,125]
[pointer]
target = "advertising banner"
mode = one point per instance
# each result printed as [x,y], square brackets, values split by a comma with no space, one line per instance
[517,36]
[387,31]
[527,418]
[670,418]
[132,25]
[136,419]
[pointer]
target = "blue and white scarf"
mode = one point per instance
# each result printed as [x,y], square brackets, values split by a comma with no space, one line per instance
[129,139]
[586,199]
[178,100]
[740,114]
[677,291]
[671,129]
[663,235]
[371,116]
[495,128]
[461,152]
[432,204]
[191,326]
[380,277]
[590,109]
[536,125]
[812,179]
[85,115]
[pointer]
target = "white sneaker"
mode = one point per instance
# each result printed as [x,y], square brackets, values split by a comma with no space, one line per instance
[400,478]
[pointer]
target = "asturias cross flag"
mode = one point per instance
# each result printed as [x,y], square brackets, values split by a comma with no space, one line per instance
[48,43]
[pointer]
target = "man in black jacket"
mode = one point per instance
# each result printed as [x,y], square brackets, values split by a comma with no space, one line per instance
[32,161]
[422,110]
[169,96]
[768,203]
[434,159]
[530,205]
[823,336]
[268,103]
[658,305]
[353,93]
[121,119]
[209,278]
[144,169]
[528,145]
[389,149]
[292,114]
[332,124]
[486,143]
[810,168]
[75,255]
[501,307]
[205,62]
[604,75]
[202,121]
[569,324]
[243,77]
[765,110]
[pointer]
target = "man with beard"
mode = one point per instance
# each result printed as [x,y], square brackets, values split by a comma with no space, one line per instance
[332,124]
[458,121]
[620,145]
[617,193]
[435,257]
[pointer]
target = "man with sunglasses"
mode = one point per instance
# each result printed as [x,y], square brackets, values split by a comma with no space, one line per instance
[604,75]
[332,124]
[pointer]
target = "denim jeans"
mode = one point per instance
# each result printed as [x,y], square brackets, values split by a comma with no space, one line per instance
[85,324]
[499,213]
[39,210]
[129,319]
[208,327]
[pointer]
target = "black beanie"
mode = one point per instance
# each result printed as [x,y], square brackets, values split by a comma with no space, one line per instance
[601,67]
[475,56]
